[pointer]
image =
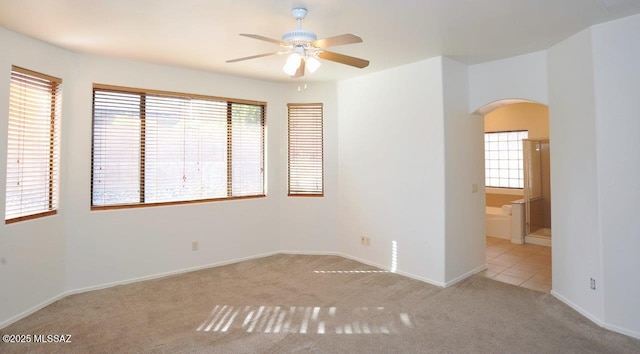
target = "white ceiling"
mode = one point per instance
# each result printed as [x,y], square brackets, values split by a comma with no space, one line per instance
[202,34]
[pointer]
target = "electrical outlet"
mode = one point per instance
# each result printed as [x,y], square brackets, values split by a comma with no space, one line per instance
[474,188]
[368,241]
[194,245]
[593,284]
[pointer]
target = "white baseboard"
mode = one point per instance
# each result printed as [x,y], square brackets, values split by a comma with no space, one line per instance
[31,310]
[311,253]
[364,261]
[465,276]
[166,274]
[45,303]
[595,319]
[192,269]
[406,274]
[579,309]
[540,241]
[624,331]
[123,282]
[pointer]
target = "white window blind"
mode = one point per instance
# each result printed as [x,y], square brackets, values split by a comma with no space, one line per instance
[247,147]
[152,147]
[186,149]
[306,162]
[116,148]
[32,145]
[503,159]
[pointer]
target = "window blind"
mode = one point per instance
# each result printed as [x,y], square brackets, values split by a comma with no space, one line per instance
[247,147]
[32,145]
[152,147]
[306,161]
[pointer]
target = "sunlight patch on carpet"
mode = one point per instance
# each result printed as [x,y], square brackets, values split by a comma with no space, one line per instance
[349,271]
[305,320]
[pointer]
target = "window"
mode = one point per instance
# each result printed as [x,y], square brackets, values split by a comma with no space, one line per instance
[152,147]
[32,145]
[305,149]
[503,159]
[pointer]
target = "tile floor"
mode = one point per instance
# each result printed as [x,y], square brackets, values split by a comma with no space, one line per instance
[524,265]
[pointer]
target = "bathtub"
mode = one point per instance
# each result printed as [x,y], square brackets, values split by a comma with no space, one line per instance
[498,222]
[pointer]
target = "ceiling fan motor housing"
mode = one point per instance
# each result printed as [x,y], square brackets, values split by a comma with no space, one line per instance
[299,37]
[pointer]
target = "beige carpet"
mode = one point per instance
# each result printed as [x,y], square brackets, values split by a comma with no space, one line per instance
[326,304]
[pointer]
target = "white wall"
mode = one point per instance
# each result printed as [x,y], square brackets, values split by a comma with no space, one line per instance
[576,239]
[386,178]
[522,77]
[32,253]
[391,168]
[464,161]
[617,106]
[77,249]
[310,224]
[592,86]
[112,246]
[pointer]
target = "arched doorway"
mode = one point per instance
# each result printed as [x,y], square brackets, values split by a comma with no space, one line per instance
[518,193]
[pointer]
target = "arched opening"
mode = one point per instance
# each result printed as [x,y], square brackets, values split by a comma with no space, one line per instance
[517,192]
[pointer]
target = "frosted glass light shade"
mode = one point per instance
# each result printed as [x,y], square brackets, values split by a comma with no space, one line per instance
[292,64]
[312,64]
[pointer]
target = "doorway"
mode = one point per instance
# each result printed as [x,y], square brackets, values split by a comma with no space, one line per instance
[518,193]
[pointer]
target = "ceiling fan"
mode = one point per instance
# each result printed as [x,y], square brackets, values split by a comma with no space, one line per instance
[305,48]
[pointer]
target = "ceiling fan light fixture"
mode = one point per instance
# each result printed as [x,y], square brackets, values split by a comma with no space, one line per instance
[312,64]
[292,64]
[306,49]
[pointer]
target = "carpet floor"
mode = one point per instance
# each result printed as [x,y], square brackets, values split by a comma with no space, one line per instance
[324,304]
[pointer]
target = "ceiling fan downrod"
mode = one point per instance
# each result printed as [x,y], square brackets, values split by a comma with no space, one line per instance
[299,13]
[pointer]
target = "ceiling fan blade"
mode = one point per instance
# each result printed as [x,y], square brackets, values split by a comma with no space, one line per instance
[253,57]
[336,41]
[343,59]
[266,39]
[300,71]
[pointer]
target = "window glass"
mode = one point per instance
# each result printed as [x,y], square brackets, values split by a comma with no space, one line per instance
[503,159]
[154,147]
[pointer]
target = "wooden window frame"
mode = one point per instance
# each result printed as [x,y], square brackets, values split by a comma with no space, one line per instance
[56,91]
[146,92]
[289,157]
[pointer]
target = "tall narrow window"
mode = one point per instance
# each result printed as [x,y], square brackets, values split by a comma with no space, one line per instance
[306,161]
[152,147]
[32,145]
[503,159]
